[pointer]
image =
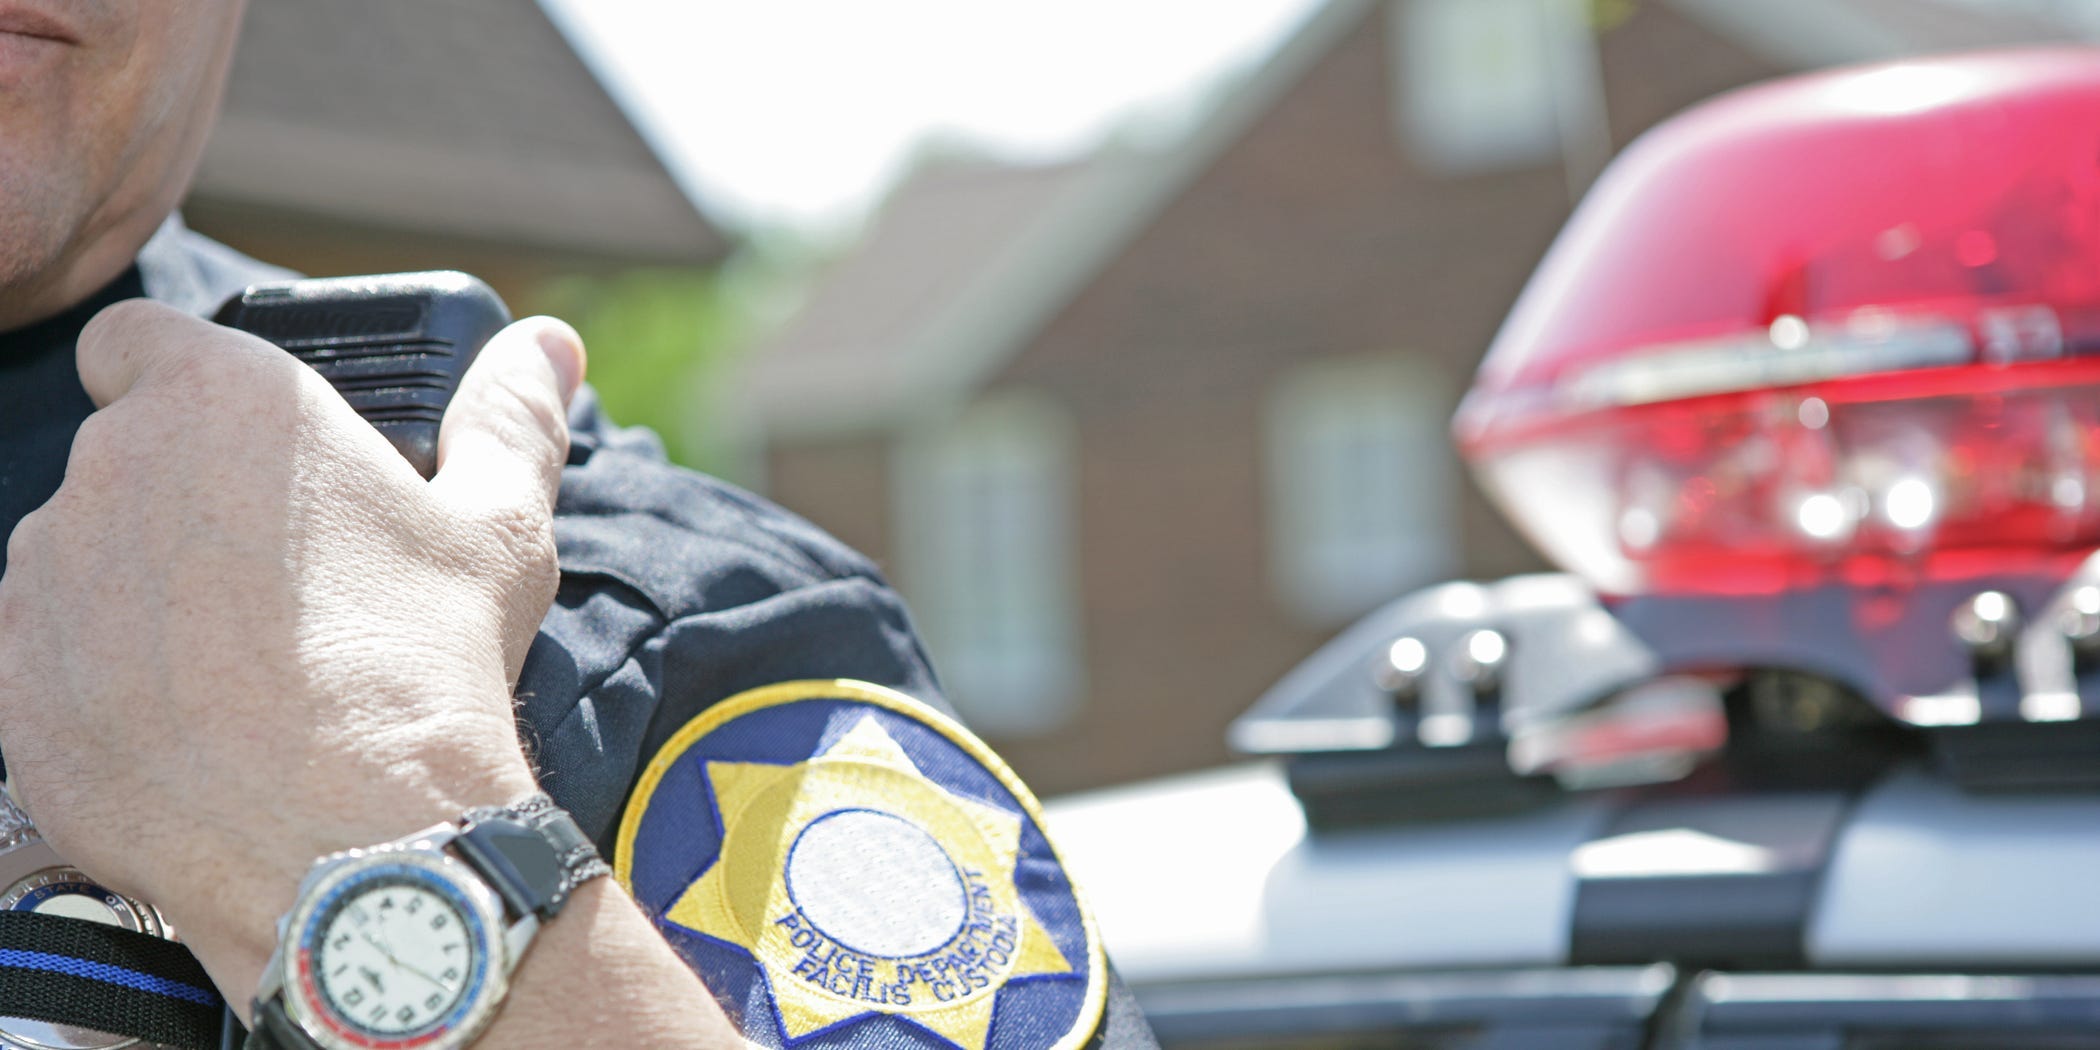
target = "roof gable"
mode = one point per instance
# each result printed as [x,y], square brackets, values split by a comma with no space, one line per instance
[473,118]
[1082,219]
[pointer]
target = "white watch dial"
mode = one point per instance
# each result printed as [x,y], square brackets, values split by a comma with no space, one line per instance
[393,955]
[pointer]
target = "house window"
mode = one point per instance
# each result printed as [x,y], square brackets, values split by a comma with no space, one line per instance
[1362,501]
[986,555]
[1489,84]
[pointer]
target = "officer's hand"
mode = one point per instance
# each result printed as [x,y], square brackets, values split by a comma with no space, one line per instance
[245,633]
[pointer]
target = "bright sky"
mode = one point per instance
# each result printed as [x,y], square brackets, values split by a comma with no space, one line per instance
[803,111]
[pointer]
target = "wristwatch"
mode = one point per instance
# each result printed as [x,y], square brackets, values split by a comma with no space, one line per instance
[410,943]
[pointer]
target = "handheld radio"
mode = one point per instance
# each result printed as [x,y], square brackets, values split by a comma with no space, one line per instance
[395,346]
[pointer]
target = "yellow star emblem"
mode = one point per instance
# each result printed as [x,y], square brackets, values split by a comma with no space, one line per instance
[861,886]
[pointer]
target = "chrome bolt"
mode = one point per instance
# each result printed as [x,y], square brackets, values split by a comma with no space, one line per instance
[2080,623]
[1399,669]
[1480,660]
[1987,624]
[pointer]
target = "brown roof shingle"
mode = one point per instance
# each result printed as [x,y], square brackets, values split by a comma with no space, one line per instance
[463,117]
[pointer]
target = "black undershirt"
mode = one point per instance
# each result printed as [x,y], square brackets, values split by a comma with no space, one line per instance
[42,403]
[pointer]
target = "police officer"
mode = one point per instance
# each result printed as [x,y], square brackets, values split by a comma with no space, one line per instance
[238,637]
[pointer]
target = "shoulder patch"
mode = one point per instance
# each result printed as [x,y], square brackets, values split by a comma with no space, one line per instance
[847,867]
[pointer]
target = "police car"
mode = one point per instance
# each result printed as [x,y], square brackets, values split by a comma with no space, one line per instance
[1803,752]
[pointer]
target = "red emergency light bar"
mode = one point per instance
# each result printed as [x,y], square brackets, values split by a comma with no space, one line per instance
[1838,328]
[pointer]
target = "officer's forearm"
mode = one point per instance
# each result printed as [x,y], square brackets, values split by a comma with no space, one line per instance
[600,975]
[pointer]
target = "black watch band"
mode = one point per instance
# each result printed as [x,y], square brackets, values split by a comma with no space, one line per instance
[532,852]
[273,1030]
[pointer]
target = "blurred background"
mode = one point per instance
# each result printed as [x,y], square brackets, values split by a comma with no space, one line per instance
[1123,335]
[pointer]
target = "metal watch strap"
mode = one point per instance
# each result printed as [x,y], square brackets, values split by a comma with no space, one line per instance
[531,851]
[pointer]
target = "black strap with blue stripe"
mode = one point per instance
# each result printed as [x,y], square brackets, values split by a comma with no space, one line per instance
[73,972]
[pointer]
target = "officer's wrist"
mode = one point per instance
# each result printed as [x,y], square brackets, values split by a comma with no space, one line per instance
[229,916]
[601,975]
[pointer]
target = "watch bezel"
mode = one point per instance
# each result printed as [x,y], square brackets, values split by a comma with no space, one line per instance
[304,1003]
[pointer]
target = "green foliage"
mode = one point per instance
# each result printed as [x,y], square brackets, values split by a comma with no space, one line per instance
[665,344]
[659,343]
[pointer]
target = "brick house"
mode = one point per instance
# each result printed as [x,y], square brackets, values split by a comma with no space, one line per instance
[1137,433]
[391,135]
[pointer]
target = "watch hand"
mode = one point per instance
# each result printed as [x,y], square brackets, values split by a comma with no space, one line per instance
[398,964]
[384,948]
[442,986]
[388,942]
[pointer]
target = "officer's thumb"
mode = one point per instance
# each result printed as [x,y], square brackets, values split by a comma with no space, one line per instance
[506,434]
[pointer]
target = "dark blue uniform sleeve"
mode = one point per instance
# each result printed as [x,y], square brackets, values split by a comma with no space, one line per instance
[679,591]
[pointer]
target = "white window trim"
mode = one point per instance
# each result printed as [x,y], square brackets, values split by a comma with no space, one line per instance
[1564,121]
[1036,684]
[1323,574]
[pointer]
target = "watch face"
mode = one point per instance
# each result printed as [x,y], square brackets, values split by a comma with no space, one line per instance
[395,954]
